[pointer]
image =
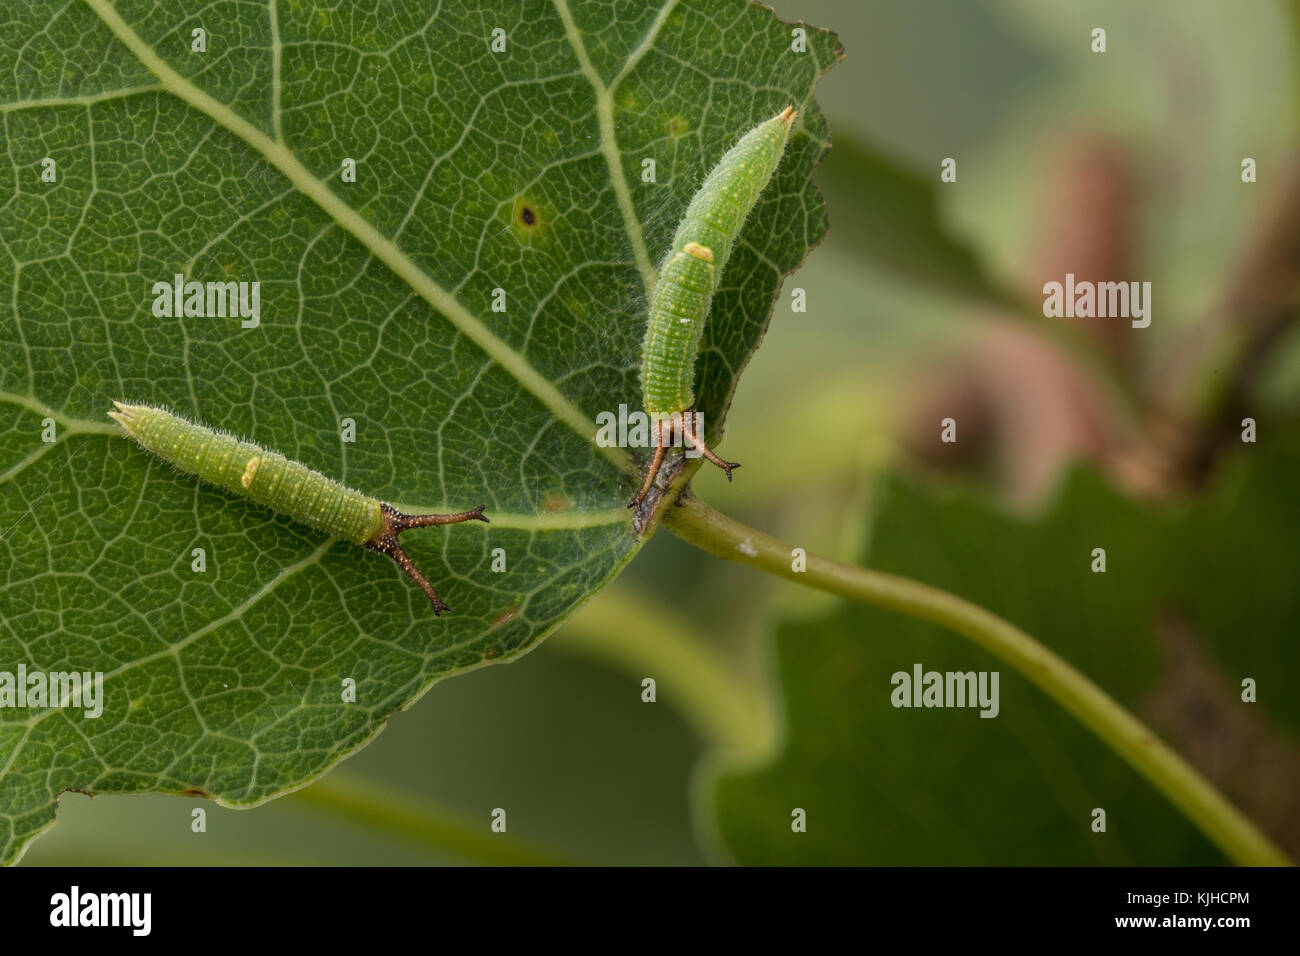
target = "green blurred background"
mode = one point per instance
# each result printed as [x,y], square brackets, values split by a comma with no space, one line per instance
[1123,165]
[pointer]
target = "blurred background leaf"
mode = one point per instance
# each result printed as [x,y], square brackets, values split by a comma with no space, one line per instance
[891,215]
[886,785]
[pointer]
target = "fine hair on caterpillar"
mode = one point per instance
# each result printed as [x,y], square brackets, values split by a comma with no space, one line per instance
[288,487]
[690,274]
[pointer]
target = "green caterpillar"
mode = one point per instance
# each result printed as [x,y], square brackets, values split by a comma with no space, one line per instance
[289,487]
[683,294]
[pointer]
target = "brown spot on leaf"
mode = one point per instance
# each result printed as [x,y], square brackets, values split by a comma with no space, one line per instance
[555,502]
[506,615]
[529,219]
[196,792]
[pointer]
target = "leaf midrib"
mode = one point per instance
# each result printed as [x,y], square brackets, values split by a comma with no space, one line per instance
[282,158]
[608,139]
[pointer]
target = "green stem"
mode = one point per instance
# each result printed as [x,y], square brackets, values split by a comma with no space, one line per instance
[417,823]
[1218,819]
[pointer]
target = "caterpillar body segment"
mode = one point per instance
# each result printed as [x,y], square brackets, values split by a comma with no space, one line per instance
[683,295]
[291,488]
[251,471]
[730,191]
[680,303]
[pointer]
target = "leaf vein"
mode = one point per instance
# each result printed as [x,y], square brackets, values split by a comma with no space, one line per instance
[363,231]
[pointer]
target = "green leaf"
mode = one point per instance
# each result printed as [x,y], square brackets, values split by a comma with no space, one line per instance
[1235,582]
[1204,589]
[376,306]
